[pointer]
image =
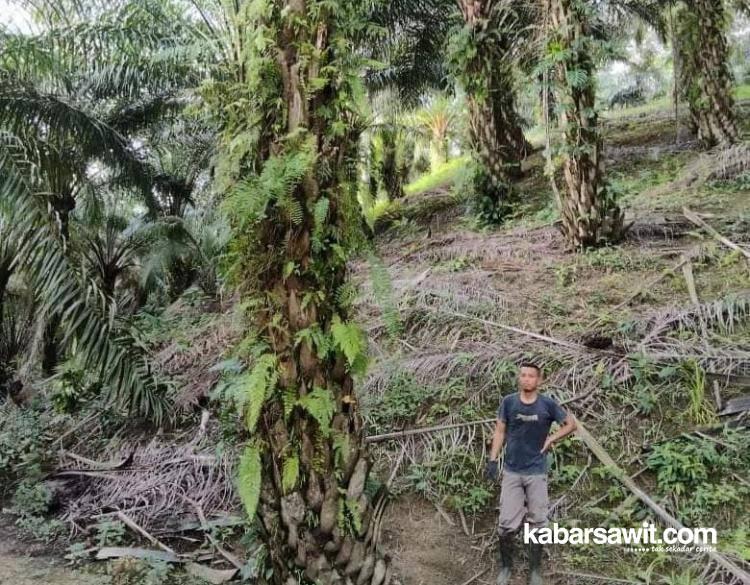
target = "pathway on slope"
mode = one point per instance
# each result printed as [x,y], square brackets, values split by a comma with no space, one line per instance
[18,569]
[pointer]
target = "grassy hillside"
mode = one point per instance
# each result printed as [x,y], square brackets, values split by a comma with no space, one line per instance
[618,329]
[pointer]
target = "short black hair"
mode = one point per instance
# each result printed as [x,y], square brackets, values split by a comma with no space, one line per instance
[529,364]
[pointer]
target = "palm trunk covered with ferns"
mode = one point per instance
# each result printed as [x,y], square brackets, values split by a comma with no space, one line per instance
[706,79]
[304,471]
[480,56]
[589,213]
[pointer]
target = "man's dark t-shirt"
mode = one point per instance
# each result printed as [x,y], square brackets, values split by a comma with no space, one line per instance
[527,427]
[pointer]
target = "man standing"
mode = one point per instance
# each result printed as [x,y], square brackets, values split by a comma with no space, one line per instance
[524,419]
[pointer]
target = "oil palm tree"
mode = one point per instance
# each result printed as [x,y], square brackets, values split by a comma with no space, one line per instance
[435,120]
[482,57]
[295,219]
[706,80]
[66,122]
[590,213]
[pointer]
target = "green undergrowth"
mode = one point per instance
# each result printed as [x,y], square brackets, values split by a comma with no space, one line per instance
[700,479]
[444,175]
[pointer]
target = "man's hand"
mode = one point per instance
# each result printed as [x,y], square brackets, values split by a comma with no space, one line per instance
[569,425]
[490,472]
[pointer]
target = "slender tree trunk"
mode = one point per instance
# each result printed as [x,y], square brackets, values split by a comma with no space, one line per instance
[5,274]
[63,206]
[317,520]
[590,216]
[707,81]
[390,170]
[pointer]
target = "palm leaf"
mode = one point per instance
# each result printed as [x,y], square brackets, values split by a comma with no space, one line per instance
[64,292]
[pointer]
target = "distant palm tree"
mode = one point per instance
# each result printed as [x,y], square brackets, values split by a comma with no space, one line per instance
[589,212]
[435,121]
[482,56]
[705,76]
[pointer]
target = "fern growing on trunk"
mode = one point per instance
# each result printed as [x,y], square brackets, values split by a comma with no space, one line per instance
[589,211]
[295,222]
[701,45]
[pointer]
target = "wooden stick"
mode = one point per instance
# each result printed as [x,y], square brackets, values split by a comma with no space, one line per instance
[392,476]
[425,430]
[464,525]
[539,336]
[601,454]
[475,577]
[444,514]
[717,395]
[595,577]
[697,220]
[409,432]
[207,529]
[687,272]
[142,531]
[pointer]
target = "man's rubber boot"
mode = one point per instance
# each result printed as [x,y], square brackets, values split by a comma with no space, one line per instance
[535,564]
[505,559]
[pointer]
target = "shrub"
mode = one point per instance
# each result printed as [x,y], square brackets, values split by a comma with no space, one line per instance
[22,445]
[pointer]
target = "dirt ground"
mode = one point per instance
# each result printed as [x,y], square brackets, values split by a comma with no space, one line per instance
[23,563]
[18,569]
[427,550]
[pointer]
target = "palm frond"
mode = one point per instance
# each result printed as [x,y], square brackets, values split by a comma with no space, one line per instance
[25,111]
[66,293]
[616,15]
[409,44]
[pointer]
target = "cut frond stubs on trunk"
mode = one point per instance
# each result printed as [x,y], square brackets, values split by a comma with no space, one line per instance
[703,52]
[590,214]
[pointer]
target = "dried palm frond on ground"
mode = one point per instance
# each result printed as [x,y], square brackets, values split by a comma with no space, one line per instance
[719,164]
[188,362]
[155,489]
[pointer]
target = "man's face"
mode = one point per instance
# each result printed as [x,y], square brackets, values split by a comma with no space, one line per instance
[529,379]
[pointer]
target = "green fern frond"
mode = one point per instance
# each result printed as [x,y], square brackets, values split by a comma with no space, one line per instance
[260,381]
[382,288]
[250,200]
[289,400]
[320,214]
[249,479]
[316,338]
[350,339]
[290,473]
[291,207]
[341,447]
[321,406]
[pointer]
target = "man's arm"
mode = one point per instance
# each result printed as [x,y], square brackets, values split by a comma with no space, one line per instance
[498,440]
[568,426]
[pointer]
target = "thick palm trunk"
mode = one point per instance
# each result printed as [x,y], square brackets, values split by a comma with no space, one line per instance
[589,215]
[497,138]
[317,521]
[496,134]
[707,82]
